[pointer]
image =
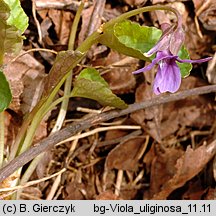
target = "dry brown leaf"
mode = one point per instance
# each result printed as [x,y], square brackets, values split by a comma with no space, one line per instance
[41,169]
[194,191]
[144,92]
[152,115]
[198,3]
[113,134]
[26,78]
[120,77]
[211,194]
[45,26]
[79,189]
[196,46]
[86,14]
[62,21]
[107,195]
[91,19]
[163,168]
[129,193]
[31,193]
[166,16]
[205,10]
[149,157]
[8,183]
[188,166]
[74,191]
[12,126]
[125,156]
[135,2]
[41,131]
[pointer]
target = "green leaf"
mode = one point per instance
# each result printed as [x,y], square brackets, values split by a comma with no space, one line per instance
[65,61]
[130,38]
[13,22]
[17,16]
[185,68]
[5,93]
[141,38]
[93,75]
[89,84]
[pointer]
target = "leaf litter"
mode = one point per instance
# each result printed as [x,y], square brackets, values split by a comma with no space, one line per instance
[165,160]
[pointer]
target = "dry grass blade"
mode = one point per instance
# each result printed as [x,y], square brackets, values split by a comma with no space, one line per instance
[97,130]
[32,182]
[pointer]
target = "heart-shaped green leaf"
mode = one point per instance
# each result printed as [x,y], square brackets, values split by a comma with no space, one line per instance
[141,38]
[130,38]
[13,22]
[5,93]
[17,16]
[89,84]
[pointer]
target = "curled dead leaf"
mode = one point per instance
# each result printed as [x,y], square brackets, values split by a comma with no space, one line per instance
[26,78]
[125,156]
[188,166]
[163,168]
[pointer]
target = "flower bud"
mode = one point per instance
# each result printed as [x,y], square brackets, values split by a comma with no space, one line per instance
[177,40]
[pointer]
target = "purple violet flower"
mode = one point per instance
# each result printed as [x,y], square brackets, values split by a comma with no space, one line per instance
[168,77]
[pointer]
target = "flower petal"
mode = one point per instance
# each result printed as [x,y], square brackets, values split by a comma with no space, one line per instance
[163,42]
[146,68]
[177,40]
[159,57]
[168,77]
[194,61]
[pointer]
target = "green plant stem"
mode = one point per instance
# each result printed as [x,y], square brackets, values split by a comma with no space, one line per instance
[2,132]
[64,104]
[142,10]
[56,102]
[93,38]
[84,47]
[63,109]
[32,129]
[74,27]
[67,87]
[32,166]
[29,171]
[22,131]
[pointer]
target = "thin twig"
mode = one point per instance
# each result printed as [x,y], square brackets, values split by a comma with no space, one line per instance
[119,182]
[54,187]
[32,50]
[40,38]
[75,127]
[60,5]
[101,129]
